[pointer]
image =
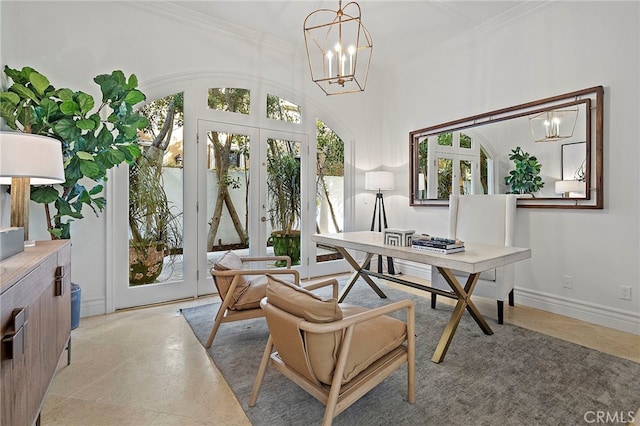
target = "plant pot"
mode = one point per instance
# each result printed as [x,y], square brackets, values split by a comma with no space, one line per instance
[286,245]
[145,262]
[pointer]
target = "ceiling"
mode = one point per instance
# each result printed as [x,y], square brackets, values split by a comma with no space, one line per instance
[400,29]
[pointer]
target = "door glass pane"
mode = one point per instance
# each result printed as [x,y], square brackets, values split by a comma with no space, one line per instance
[465,141]
[465,177]
[155,196]
[228,181]
[230,99]
[445,177]
[283,198]
[282,109]
[329,188]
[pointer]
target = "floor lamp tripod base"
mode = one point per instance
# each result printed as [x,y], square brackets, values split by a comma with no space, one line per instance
[380,213]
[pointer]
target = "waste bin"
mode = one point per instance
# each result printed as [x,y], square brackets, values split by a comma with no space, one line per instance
[75,305]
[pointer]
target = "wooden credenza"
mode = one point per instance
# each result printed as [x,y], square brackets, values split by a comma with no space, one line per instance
[35,325]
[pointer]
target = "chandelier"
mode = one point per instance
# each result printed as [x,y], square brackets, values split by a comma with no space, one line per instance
[339,49]
[554,125]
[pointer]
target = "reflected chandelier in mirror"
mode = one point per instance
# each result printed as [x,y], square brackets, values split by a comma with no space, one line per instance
[549,151]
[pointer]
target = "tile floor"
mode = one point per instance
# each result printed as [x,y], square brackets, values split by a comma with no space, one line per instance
[145,367]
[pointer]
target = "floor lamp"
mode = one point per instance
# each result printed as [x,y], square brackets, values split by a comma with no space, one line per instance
[27,159]
[380,181]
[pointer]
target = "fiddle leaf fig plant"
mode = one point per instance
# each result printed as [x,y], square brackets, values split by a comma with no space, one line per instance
[524,179]
[93,139]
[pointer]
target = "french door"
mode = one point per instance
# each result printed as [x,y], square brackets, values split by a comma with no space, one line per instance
[236,186]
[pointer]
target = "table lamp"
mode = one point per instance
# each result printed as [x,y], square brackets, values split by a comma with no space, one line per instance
[566,187]
[27,159]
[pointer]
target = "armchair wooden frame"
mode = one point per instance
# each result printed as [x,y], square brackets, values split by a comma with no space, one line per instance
[225,314]
[340,396]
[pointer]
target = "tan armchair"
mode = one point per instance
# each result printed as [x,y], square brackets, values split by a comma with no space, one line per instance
[242,289]
[335,352]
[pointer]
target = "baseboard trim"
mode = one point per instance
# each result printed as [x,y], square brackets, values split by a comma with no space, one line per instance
[92,307]
[617,319]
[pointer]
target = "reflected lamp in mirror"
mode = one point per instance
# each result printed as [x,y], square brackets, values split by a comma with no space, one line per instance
[554,125]
[571,188]
[339,49]
[27,159]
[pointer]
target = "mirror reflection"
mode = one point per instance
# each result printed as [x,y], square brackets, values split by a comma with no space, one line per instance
[548,151]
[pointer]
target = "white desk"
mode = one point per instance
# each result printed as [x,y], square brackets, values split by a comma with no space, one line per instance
[475,259]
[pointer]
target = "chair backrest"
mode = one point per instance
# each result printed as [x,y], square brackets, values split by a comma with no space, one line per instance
[311,355]
[229,261]
[488,219]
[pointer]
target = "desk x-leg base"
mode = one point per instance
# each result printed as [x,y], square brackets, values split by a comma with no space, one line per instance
[357,274]
[464,302]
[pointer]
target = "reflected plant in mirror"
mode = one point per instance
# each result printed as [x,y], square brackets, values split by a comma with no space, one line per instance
[524,178]
[473,155]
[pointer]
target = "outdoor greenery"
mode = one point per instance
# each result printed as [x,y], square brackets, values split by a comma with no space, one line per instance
[524,179]
[93,140]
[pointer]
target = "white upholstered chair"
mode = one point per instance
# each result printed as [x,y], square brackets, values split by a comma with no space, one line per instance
[488,219]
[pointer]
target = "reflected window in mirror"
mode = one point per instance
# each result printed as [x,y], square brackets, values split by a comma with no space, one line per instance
[472,155]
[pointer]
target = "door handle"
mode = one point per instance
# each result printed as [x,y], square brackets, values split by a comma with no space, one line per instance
[263,219]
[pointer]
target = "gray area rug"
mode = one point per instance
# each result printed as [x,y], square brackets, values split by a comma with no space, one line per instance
[514,377]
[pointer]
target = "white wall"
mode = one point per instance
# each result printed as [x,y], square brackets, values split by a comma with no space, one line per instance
[556,48]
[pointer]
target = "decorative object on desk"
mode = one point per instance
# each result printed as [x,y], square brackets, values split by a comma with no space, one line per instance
[339,49]
[524,179]
[380,181]
[398,237]
[570,188]
[437,244]
[536,364]
[27,159]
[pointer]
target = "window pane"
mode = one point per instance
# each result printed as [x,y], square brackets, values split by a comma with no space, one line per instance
[282,109]
[329,187]
[156,196]
[445,139]
[445,177]
[230,99]
[465,141]
[465,177]
[227,190]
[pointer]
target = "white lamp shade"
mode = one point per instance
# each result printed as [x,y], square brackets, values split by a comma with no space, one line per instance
[30,156]
[378,181]
[564,186]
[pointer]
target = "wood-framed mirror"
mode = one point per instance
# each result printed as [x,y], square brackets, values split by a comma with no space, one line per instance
[474,155]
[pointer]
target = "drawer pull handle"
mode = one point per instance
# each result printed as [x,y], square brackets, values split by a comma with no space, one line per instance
[15,342]
[60,276]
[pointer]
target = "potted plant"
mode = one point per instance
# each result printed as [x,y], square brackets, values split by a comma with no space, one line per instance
[93,140]
[524,179]
[283,181]
[155,231]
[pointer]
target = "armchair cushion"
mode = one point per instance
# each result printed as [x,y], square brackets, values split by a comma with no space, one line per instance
[302,303]
[248,292]
[372,339]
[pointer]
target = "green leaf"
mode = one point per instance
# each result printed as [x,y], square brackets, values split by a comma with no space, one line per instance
[65,94]
[96,190]
[24,92]
[134,96]
[39,82]
[89,169]
[44,194]
[10,98]
[70,108]
[85,102]
[84,156]
[86,124]
[66,129]
[47,109]
[133,82]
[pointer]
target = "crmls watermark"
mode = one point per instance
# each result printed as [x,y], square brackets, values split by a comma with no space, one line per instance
[609,417]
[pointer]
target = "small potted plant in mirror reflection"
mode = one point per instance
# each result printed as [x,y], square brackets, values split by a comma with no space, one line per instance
[525,177]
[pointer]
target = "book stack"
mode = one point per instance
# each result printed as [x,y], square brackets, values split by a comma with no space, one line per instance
[437,244]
